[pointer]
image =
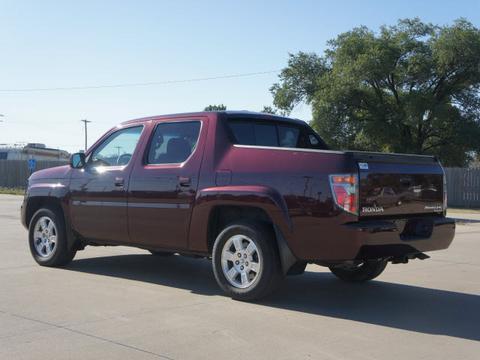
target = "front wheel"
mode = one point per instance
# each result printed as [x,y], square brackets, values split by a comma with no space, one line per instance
[364,271]
[245,261]
[48,238]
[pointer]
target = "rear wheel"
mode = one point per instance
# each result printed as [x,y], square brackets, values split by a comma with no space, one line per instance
[245,261]
[48,238]
[361,272]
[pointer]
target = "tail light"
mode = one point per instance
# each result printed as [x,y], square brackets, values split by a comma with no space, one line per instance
[345,192]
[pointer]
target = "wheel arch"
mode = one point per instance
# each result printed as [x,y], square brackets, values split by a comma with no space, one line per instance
[217,207]
[34,203]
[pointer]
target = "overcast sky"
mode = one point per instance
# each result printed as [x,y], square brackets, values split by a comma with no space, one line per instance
[47,44]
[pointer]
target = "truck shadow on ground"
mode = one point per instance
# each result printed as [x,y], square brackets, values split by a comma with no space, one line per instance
[413,308]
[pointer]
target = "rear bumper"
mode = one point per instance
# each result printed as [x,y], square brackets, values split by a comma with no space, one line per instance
[372,239]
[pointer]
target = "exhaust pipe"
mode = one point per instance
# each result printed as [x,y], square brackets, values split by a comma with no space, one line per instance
[404,259]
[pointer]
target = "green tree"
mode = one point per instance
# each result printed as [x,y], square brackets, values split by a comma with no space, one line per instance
[220,107]
[269,110]
[413,87]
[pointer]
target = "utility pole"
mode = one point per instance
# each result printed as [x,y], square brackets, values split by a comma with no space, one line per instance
[85,122]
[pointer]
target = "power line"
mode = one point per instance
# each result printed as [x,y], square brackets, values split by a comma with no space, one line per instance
[166,82]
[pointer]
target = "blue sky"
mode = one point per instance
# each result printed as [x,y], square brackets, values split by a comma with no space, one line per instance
[46,44]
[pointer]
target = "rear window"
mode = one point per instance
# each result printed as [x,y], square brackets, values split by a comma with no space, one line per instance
[274,134]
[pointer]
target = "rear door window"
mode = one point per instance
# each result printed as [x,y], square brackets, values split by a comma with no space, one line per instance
[173,143]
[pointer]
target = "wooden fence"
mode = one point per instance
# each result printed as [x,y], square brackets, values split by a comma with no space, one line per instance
[463,185]
[14,173]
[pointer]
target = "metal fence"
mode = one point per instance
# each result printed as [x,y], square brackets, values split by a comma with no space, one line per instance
[14,173]
[463,185]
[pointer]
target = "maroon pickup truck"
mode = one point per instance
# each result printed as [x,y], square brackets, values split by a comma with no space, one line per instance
[261,195]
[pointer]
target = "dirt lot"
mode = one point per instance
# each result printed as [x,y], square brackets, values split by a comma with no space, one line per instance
[112,303]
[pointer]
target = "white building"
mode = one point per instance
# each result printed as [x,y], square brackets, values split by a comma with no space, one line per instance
[32,151]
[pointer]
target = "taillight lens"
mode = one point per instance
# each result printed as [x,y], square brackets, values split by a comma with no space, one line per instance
[345,191]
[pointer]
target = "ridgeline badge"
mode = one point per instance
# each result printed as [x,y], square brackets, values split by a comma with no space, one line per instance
[434,207]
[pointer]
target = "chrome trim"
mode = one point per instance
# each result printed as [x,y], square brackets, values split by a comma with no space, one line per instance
[159,205]
[99,203]
[345,152]
[288,149]
[131,204]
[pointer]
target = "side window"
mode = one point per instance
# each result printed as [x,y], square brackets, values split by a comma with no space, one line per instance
[118,148]
[310,140]
[288,136]
[243,132]
[266,134]
[173,142]
[283,134]
[254,133]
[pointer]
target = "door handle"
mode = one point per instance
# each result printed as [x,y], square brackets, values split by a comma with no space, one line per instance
[184,180]
[119,182]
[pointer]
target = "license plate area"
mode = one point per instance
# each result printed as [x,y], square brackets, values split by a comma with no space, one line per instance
[417,229]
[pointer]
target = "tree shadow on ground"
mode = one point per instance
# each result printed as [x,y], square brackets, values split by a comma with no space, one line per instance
[413,308]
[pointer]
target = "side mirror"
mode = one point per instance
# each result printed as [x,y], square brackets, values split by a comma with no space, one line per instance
[77,160]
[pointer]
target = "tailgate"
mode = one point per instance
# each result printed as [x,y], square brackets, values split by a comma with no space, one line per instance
[397,184]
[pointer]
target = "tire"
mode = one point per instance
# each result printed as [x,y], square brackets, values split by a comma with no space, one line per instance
[367,270]
[41,232]
[256,268]
[161,253]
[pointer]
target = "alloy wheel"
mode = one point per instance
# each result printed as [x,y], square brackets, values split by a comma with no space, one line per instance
[45,237]
[241,261]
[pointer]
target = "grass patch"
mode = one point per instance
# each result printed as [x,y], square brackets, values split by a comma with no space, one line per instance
[12,191]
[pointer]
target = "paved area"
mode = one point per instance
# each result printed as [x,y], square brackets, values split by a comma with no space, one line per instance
[464,216]
[121,303]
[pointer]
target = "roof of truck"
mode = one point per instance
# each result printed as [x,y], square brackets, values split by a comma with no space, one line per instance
[240,114]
